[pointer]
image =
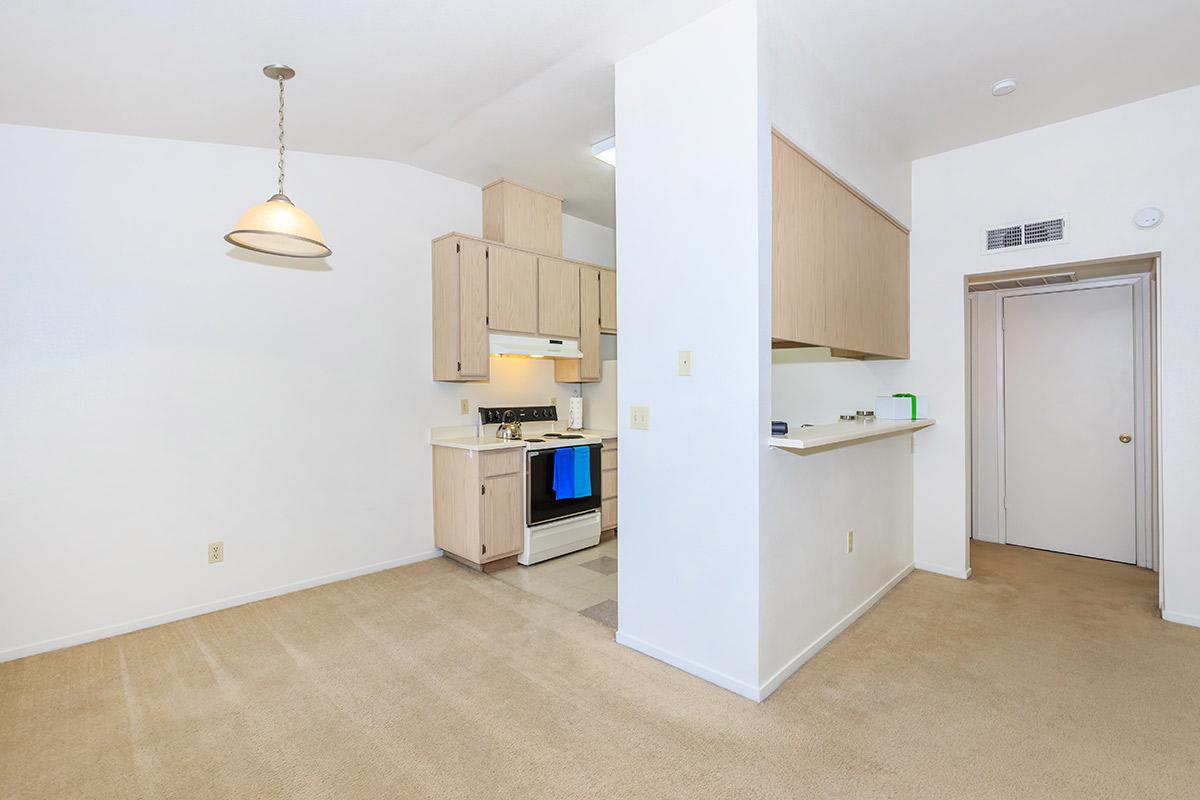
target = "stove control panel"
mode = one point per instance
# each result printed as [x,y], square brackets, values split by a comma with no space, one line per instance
[496,415]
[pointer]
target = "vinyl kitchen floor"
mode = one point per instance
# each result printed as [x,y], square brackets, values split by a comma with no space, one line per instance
[583,581]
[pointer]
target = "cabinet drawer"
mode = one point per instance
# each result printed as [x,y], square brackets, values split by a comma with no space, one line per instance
[608,444]
[608,483]
[608,459]
[501,462]
[608,514]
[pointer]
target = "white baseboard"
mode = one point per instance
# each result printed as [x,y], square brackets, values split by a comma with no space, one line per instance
[105,632]
[699,670]
[1182,619]
[953,572]
[807,653]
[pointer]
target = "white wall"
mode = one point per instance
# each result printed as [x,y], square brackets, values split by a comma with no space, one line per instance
[808,108]
[587,241]
[692,278]
[1099,169]
[159,391]
[812,588]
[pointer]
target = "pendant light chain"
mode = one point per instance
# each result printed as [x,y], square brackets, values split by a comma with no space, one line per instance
[281,135]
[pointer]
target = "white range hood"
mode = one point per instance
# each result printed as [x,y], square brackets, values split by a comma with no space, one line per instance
[505,344]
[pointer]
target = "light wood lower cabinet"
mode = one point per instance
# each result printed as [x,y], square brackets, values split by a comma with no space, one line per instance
[479,503]
[586,369]
[839,267]
[460,309]
[608,484]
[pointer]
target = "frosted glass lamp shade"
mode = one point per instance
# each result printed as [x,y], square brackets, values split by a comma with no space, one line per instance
[279,228]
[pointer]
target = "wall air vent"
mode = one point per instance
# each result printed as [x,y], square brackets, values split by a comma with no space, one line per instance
[1037,233]
[1029,281]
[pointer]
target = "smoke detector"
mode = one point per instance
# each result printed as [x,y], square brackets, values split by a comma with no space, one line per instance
[1148,218]
[1003,87]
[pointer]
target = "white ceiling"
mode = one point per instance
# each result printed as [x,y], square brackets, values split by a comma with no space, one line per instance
[478,89]
[920,71]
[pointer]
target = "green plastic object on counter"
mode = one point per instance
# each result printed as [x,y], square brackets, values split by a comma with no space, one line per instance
[913,397]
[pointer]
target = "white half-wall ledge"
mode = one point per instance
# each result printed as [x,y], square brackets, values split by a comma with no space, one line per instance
[842,433]
[129,626]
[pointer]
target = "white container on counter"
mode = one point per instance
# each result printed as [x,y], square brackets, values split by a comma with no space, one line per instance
[901,407]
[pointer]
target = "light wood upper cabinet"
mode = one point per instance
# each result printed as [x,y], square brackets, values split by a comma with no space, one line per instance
[558,298]
[460,309]
[512,290]
[586,369]
[522,217]
[608,301]
[839,267]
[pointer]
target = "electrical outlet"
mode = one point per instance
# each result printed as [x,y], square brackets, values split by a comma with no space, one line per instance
[464,406]
[685,362]
[553,401]
[850,542]
[216,552]
[639,418]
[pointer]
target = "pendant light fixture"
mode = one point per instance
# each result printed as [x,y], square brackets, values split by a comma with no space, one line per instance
[277,227]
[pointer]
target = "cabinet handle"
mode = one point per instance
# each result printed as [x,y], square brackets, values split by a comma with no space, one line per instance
[483,489]
[484,548]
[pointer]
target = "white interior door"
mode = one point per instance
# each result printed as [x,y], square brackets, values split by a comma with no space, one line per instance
[1069,399]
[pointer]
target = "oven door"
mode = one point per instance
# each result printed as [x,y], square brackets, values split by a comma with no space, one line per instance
[541,504]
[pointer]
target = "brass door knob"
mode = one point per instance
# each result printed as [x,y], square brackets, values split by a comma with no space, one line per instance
[1125,438]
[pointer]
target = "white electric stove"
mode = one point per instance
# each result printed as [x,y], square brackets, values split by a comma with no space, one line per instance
[558,520]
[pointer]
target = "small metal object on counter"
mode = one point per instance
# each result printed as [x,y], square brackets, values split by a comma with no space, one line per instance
[510,428]
[865,416]
[779,428]
[847,418]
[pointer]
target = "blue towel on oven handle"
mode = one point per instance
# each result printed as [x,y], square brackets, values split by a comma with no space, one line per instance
[564,474]
[583,471]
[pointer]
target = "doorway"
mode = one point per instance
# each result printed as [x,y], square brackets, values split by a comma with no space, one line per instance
[1062,410]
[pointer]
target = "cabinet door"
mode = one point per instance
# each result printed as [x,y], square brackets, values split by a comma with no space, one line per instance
[586,369]
[501,516]
[608,301]
[512,290]
[558,298]
[472,310]
[608,514]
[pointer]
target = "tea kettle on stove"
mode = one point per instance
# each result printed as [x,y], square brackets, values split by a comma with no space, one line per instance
[510,427]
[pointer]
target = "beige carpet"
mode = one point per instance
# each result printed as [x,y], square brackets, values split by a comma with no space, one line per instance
[1043,677]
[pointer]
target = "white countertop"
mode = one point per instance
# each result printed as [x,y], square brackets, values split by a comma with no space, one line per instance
[478,443]
[844,432]
[599,434]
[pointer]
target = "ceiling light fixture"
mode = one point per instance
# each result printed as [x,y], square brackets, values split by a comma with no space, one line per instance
[1003,87]
[277,227]
[606,150]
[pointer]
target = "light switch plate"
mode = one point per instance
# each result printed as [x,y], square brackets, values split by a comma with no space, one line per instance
[464,406]
[639,418]
[685,362]
[850,542]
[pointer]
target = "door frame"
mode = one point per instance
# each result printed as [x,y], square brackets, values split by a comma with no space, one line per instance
[1146,544]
